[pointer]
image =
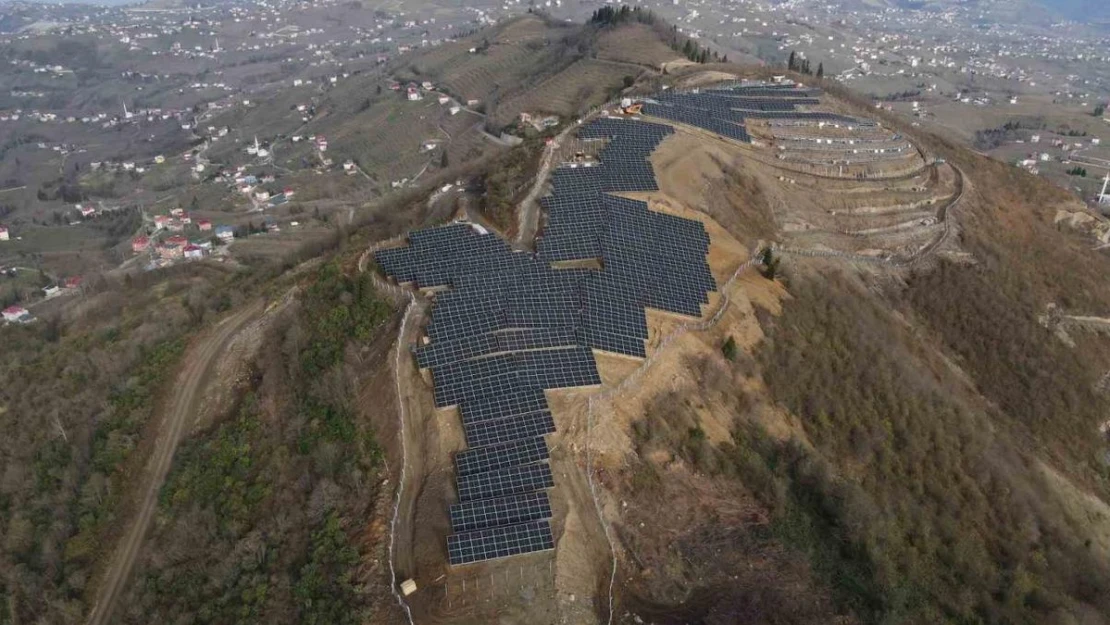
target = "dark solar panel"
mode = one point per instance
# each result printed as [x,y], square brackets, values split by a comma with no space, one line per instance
[510,481]
[508,429]
[503,456]
[499,542]
[475,515]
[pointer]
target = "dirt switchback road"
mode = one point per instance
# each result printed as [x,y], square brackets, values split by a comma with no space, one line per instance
[177,416]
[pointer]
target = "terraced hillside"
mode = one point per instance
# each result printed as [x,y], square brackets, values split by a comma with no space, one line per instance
[532,65]
[817,427]
[838,182]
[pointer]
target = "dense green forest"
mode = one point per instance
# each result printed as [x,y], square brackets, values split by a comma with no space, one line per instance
[77,395]
[258,519]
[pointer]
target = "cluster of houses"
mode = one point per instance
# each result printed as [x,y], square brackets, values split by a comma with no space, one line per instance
[416,92]
[253,187]
[177,246]
[168,241]
[19,314]
[102,119]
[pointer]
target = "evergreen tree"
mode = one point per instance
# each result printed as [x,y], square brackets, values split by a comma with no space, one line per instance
[792,64]
[820,70]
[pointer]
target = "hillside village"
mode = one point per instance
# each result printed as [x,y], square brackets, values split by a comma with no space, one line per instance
[202,117]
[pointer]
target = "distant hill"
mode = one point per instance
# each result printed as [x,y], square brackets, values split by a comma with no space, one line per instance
[1024,11]
[1079,10]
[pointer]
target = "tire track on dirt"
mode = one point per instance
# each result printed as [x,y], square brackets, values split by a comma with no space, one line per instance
[176,417]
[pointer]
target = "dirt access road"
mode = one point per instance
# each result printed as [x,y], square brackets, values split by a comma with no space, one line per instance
[529,209]
[176,417]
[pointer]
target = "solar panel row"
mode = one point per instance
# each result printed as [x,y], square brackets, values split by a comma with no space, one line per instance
[500,542]
[475,515]
[503,456]
[723,110]
[512,481]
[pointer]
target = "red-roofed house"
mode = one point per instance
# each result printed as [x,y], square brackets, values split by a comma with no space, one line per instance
[73,282]
[4,235]
[204,225]
[140,244]
[176,241]
[193,252]
[14,313]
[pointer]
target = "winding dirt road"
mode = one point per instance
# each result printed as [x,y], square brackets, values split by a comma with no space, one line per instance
[529,209]
[176,417]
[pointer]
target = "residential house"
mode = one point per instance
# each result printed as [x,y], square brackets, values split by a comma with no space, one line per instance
[16,314]
[169,252]
[193,252]
[176,241]
[204,225]
[225,233]
[140,244]
[73,282]
[4,235]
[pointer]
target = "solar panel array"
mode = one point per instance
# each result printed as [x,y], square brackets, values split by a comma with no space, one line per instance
[724,110]
[437,256]
[511,325]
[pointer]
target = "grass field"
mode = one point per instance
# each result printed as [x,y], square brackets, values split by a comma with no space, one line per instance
[585,84]
[636,44]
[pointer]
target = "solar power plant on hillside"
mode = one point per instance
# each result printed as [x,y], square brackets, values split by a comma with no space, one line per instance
[506,326]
